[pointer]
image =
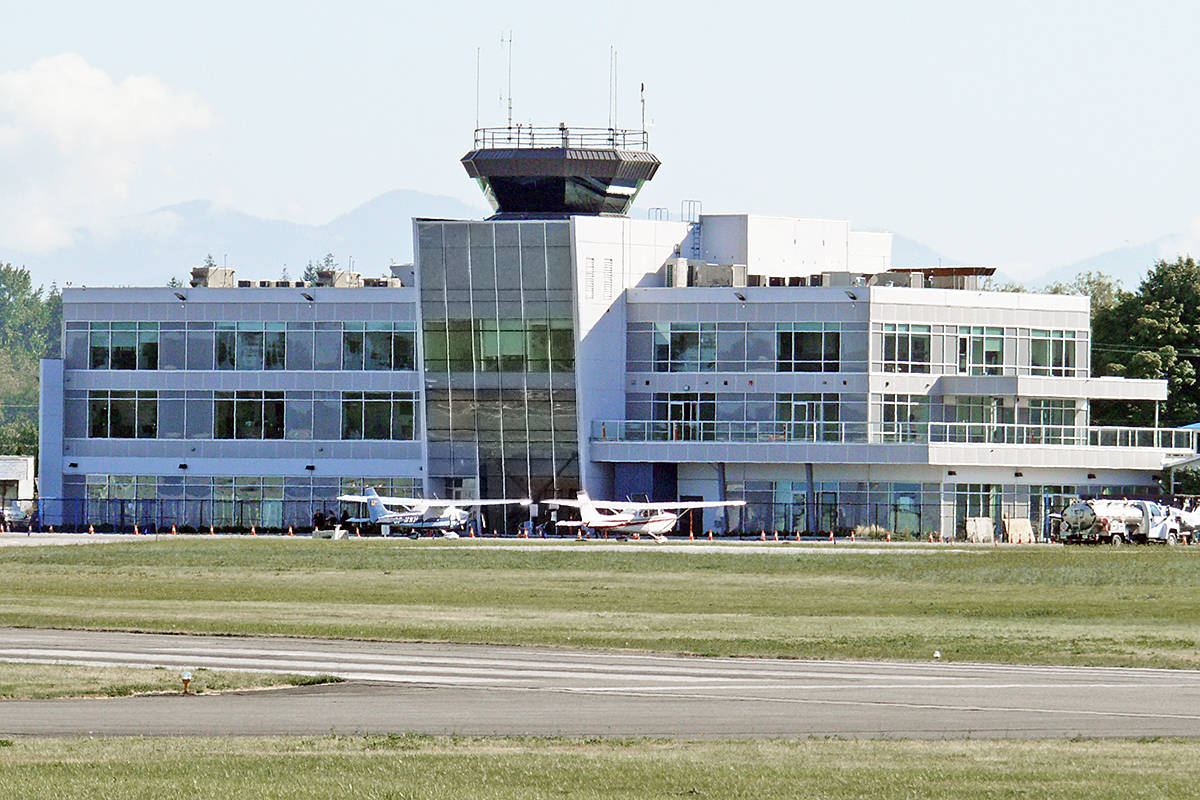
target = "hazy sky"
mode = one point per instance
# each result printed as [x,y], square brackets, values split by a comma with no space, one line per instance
[1019,134]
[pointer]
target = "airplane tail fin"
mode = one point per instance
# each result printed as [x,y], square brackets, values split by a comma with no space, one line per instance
[375,508]
[587,511]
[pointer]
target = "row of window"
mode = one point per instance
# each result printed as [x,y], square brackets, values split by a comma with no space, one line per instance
[833,347]
[242,346]
[229,488]
[981,350]
[252,415]
[744,347]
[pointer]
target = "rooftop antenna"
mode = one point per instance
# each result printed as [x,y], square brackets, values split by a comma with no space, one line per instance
[644,113]
[477,88]
[612,82]
[507,43]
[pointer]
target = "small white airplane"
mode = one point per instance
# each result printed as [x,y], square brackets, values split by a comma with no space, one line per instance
[418,514]
[650,519]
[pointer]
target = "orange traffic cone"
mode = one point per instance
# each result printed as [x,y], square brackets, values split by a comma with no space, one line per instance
[889,536]
[211,532]
[710,536]
[797,536]
[777,536]
[831,536]
[91,528]
[852,535]
[253,532]
[136,532]
[173,531]
[691,536]
[931,537]
[762,536]
[290,533]
[358,532]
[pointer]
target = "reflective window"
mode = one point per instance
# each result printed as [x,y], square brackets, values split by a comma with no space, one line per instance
[906,348]
[122,415]
[1052,352]
[248,415]
[812,350]
[379,415]
[980,350]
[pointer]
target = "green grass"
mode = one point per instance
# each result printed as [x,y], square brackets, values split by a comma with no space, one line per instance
[413,767]
[1136,606]
[37,681]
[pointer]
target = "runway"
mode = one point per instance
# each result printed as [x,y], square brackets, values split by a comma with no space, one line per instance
[478,690]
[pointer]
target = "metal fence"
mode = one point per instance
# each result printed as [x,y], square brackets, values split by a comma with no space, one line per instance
[522,136]
[150,516]
[1182,440]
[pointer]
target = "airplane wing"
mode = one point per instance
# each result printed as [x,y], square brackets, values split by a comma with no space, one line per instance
[472,503]
[421,502]
[628,506]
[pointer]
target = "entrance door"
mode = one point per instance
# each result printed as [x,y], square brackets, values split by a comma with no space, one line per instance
[682,415]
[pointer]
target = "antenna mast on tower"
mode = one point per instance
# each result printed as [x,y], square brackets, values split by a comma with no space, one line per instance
[507,43]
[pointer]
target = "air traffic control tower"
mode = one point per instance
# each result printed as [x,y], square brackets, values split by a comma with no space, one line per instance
[528,172]
[499,309]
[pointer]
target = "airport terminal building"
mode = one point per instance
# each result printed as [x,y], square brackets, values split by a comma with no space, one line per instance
[561,345]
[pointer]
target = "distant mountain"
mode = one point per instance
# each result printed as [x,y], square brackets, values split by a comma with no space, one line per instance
[1129,264]
[149,249]
[911,254]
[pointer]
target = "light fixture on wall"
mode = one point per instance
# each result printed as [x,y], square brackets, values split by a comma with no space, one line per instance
[1091,476]
[310,467]
[183,466]
[1018,474]
[182,297]
[951,472]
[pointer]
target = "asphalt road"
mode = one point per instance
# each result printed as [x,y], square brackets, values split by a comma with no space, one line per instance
[477,690]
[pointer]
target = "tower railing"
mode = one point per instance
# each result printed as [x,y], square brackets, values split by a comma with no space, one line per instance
[527,136]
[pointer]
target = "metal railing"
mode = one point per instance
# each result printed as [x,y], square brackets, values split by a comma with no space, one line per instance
[522,136]
[1182,440]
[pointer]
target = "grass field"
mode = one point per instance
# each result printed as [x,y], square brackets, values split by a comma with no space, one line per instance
[425,767]
[1135,606]
[37,681]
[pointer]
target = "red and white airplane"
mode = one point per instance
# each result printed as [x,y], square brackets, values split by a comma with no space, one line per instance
[650,519]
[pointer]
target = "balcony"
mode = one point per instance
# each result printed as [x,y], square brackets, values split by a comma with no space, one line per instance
[928,442]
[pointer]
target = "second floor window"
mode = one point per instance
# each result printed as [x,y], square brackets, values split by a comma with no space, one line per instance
[980,350]
[906,348]
[808,351]
[122,415]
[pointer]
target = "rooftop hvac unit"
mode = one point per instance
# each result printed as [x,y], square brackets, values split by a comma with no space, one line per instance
[212,277]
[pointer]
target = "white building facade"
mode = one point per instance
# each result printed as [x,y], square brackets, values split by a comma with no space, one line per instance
[543,352]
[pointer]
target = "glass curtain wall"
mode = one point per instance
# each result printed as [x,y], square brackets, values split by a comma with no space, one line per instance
[499,350]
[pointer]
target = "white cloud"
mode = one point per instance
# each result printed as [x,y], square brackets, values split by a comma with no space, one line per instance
[71,139]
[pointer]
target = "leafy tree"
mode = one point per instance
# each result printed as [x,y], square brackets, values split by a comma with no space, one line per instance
[1104,290]
[1151,333]
[993,285]
[310,273]
[30,320]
